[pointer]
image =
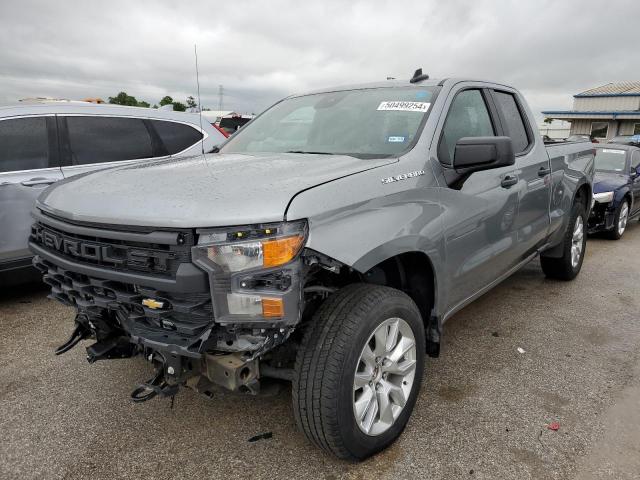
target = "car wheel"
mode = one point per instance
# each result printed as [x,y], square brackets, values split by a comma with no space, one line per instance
[569,264]
[358,370]
[620,221]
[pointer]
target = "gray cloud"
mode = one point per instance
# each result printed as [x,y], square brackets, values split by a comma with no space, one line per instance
[261,51]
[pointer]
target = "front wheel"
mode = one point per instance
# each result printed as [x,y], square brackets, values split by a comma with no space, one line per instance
[569,264]
[358,370]
[620,221]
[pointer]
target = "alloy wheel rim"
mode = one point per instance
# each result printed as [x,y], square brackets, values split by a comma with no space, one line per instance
[384,376]
[577,242]
[622,219]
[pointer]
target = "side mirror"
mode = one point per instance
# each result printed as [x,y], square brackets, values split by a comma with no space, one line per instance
[473,154]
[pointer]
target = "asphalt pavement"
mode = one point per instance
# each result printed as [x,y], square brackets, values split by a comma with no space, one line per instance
[484,410]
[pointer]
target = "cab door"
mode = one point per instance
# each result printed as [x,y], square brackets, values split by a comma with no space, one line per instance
[533,170]
[479,216]
[28,165]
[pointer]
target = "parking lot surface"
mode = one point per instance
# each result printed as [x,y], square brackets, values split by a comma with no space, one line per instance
[483,411]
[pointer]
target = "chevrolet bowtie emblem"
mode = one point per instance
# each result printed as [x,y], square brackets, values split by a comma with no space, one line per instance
[151,303]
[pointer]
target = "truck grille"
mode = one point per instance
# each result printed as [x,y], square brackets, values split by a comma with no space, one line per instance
[116,255]
[183,321]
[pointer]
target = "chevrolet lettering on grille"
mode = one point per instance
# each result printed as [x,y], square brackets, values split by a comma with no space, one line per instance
[79,248]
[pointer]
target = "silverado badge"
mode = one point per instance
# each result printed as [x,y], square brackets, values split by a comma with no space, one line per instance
[404,176]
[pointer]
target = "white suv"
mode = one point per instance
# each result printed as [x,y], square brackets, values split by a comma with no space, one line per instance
[46,142]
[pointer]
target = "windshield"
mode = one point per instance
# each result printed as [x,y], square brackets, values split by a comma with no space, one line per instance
[611,160]
[364,123]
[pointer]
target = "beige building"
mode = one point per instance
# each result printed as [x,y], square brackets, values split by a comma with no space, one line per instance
[604,112]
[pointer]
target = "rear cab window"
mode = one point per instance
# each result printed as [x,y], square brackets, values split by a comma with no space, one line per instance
[24,144]
[514,124]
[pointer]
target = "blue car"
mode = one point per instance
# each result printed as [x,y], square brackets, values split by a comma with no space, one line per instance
[616,189]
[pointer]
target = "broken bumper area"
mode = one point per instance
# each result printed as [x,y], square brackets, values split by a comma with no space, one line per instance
[601,218]
[176,332]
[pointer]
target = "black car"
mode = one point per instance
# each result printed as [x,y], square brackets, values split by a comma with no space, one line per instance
[616,189]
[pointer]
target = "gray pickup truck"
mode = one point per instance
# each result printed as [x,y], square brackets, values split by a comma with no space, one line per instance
[326,243]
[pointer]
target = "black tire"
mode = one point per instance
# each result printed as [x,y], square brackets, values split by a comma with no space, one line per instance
[561,268]
[615,234]
[323,388]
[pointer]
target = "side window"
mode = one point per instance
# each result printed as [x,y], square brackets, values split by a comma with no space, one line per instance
[107,139]
[468,117]
[23,144]
[176,136]
[514,123]
[635,161]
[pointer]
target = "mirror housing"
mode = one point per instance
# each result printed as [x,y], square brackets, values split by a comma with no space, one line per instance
[473,154]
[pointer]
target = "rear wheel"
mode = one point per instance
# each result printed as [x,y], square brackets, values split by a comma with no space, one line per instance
[358,371]
[569,264]
[620,221]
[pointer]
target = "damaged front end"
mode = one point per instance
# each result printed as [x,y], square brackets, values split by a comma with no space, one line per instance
[208,308]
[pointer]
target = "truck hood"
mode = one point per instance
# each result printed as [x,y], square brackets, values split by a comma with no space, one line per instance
[203,191]
[608,182]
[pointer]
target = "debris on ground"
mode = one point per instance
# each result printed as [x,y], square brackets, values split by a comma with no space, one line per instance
[261,436]
[555,426]
[495,334]
[521,350]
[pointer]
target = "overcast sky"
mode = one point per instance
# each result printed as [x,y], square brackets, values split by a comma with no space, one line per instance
[262,51]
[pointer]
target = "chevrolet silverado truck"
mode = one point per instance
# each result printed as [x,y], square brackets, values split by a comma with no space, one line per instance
[326,243]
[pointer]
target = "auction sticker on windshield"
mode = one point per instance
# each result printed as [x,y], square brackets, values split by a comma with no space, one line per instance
[404,106]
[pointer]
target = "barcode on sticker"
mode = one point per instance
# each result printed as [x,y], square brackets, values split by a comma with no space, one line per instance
[404,106]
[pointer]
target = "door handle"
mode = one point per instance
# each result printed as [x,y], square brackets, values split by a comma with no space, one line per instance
[38,181]
[508,181]
[544,171]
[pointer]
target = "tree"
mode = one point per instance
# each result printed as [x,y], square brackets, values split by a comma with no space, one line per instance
[191,102]
[166,101]
[179,106]
[123,99]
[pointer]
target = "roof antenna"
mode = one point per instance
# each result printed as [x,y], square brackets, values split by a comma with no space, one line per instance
[195,51]
[418,76]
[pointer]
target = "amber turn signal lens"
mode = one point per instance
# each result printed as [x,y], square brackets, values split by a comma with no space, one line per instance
[280,251]
[272,307]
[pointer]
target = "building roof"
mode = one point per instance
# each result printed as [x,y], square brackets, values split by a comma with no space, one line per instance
[605,115]
[613,89]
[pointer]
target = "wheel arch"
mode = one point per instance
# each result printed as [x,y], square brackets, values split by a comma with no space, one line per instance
[415,273]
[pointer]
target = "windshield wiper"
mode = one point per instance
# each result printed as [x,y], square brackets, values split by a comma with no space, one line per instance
[311,153]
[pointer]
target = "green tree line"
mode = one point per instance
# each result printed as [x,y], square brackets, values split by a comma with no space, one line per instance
[123,98]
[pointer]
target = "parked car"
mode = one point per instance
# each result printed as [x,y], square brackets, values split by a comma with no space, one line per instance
[331,258]
[616,189]
[580,138]
[633,140]
[46,142]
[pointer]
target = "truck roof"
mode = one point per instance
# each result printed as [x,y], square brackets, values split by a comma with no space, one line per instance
[400,83]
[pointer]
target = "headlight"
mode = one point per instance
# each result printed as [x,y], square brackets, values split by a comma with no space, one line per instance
[604,197]
[248,248]
[252,270]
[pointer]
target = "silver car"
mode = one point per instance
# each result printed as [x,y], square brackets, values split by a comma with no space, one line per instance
[46,142]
